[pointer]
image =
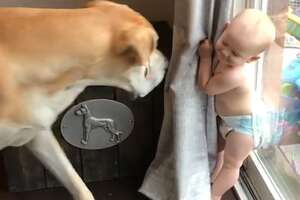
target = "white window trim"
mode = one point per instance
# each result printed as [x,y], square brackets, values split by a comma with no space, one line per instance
[259,181]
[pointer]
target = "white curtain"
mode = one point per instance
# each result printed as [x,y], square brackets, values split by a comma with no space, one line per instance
[187,147]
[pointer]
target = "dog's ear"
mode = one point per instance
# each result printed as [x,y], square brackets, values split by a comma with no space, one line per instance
[136,45]
[85,107]
[130,53]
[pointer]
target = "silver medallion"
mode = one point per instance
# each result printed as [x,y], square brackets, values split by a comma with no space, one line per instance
[97,124]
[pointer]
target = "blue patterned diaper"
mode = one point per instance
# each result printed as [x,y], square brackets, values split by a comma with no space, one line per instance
[265,126]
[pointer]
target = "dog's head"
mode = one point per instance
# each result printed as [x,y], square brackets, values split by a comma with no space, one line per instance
[82,110]
[137,65]
[133,37]
[144,65]
[140,82]
[135,45]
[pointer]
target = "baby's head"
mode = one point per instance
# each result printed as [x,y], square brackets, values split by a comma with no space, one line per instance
[245,37]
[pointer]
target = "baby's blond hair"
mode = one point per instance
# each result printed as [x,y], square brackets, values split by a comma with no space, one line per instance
[255,24]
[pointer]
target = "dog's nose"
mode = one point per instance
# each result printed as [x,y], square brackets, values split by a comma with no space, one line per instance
[147,69]
[133,96]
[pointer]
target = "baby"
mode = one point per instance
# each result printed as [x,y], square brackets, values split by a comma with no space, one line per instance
[244,118]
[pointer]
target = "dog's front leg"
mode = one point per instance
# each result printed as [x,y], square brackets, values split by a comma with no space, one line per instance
[86,132]
[46,148]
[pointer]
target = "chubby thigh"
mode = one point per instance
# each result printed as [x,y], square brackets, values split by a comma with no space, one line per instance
[237,148]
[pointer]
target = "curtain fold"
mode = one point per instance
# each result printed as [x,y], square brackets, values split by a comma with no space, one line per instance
[187,146]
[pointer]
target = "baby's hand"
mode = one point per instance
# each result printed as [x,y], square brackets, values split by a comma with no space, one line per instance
[205,49]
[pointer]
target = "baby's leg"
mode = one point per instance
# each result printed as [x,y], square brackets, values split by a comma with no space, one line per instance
[237,148]
[223,129]
[220,157]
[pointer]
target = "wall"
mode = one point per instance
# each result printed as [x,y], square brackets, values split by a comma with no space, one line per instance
[156,10]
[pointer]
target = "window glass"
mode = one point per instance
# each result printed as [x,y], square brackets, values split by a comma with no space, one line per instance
[281,88]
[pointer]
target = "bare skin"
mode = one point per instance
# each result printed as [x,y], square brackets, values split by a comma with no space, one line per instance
[248,34]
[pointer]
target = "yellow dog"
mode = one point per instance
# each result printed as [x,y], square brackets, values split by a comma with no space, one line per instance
[48,56]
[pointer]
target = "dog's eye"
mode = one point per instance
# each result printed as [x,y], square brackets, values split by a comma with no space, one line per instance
[146,72]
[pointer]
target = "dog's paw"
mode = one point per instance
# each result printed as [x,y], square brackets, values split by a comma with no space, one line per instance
[84,142]
[86,196]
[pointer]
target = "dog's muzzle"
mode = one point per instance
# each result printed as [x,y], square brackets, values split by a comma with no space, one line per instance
[152,74]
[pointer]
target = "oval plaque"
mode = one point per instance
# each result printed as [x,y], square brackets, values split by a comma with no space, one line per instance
[97,124]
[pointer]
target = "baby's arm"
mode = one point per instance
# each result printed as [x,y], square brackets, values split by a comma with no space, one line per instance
[204,70]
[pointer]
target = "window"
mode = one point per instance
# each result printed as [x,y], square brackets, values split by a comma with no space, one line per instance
[274,173]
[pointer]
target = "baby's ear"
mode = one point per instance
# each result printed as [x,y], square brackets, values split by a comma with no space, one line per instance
[253,58]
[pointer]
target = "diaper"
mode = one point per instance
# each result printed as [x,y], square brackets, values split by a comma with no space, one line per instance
[265,126]
[240,123]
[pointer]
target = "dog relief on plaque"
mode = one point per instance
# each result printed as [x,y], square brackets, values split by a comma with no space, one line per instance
[97,124]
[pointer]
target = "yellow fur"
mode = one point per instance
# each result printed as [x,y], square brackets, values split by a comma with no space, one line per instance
[50,48]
